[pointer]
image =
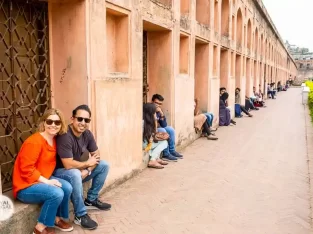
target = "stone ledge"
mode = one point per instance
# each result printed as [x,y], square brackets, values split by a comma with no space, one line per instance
[309,140]
[25,215]
[23,219]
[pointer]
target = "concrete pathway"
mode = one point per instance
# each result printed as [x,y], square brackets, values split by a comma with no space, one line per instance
[253,180]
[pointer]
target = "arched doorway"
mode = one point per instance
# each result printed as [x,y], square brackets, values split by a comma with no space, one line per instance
[225,18]
[239,28]
[256,41]
[249,35]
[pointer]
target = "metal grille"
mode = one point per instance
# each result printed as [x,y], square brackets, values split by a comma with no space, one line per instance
[145,67]
[24,78]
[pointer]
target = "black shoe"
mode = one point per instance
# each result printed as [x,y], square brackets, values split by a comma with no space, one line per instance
[177,155]
[233,122]
[96,204]
[85,222]
[169,158]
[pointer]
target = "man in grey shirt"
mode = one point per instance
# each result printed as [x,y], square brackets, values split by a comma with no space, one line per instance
[70,148]
[238,101]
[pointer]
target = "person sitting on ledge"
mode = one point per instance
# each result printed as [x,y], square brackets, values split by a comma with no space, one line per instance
[170,153]
[222,91]
[249,105]
[258,101]
[271,91]
[200,123]
[152,140]
[279,86]
[260,92]
[33,182]
[224,111]
[71,148]
[210,118]
[238,101]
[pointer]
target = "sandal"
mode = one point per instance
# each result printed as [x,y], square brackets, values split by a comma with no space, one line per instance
[156,166]
[162,162]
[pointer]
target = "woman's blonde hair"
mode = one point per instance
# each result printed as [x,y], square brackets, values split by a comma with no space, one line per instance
[52,111]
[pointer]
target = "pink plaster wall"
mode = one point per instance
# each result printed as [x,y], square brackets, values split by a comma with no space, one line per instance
[203,11]
[118,120]
[160,68]
[224,68]
[92,45]
[215,97]
[202,75]
[117,42]
[68,55]
[249,78]
[184,109]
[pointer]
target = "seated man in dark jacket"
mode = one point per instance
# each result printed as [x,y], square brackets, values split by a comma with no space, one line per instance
[169,153]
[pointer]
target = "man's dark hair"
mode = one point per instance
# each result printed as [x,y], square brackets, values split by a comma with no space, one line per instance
[222,88]
[238,89]
[157,96]
[81,107]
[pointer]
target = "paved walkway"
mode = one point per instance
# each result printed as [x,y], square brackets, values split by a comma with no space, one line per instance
[253,180]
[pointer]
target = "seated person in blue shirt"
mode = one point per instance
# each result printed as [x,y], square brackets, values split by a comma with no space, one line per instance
[169,154]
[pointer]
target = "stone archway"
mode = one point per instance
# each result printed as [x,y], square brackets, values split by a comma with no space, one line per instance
[249,35]
[239,26]
[225,18]
[256,41]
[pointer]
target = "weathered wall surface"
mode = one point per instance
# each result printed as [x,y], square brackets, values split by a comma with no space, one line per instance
[305,74]
[192,49]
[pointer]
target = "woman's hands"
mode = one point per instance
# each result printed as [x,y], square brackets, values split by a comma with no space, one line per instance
[54,182]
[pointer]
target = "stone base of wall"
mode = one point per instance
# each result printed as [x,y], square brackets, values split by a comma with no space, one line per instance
[25,215]
[309,143]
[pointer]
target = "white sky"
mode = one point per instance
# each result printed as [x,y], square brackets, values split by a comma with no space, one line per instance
[293,19]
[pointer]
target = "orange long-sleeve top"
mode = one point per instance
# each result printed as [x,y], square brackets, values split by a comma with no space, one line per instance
[36,158]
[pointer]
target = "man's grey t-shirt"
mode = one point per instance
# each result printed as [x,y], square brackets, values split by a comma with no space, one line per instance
[71,146]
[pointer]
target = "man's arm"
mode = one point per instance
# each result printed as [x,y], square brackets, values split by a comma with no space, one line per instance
[70,163]
[94,151]
[86,170]
[95,154]
[162,118]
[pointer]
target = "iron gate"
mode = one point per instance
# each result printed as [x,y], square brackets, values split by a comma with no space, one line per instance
[145,67]
[24,78]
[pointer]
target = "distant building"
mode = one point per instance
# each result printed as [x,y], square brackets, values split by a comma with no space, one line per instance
[304,60]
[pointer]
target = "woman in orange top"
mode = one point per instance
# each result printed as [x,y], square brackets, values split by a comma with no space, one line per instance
[33,182]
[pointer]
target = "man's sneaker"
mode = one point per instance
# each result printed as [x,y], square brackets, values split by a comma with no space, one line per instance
[85,222]
[177,155]
[169,158]
[96,204]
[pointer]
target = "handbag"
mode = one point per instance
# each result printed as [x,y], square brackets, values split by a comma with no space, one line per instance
[161,136]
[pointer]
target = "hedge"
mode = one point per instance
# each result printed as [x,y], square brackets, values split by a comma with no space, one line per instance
[310,97]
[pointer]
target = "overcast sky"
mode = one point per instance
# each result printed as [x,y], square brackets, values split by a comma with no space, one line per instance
[293,19]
